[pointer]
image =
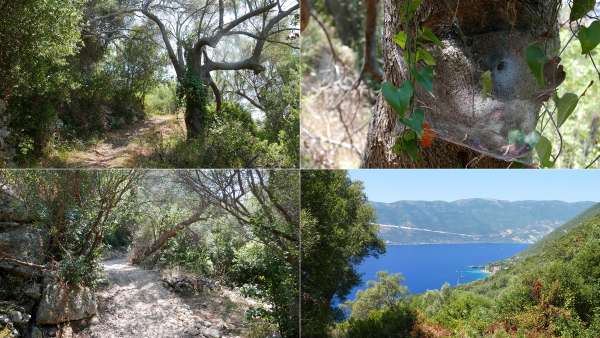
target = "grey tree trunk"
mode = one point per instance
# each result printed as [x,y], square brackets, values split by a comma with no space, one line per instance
[6,151]
[477,35]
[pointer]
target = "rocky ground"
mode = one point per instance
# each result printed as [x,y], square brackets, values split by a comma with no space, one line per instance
[123,147]
[138,303]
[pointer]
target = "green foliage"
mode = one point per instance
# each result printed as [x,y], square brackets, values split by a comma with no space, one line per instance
[581,8]
[578,131]
[565,106]
[41,35]
[162,99]
[337,234]
[390,322]
[536,58]
[233,141]
[188,252]
[550,290]
[386,292]
[398,98]
[74,208]
[420,62]
[589,37]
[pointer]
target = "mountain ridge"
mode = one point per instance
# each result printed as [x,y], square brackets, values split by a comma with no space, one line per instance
[481,219]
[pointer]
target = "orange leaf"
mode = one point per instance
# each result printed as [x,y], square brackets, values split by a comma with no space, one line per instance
[428,136]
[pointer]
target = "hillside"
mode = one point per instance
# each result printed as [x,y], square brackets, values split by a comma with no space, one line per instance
[562,245]
[472,220]
[549,290]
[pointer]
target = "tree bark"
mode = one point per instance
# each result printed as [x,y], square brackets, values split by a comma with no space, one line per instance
[164,237]
[193,122]
[449,19]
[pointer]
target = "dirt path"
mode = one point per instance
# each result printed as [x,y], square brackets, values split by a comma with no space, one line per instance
[120,148]
[136,304]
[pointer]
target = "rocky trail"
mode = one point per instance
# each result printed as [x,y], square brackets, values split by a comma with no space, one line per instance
[136,303]
[121,148]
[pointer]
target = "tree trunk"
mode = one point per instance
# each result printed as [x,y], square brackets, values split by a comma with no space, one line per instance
[5,152]
[493,25]
[196,98]
[194,121]
[143,252]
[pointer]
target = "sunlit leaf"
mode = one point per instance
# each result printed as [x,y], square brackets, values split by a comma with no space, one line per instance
[536,58]
[589,37]
[544,151]
[423,54]
[565,106]
[428,35]
[400,39]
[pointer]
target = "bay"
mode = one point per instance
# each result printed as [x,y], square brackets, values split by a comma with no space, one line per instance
[429,266]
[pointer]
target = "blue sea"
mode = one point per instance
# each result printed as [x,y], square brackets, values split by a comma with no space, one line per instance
[429,266]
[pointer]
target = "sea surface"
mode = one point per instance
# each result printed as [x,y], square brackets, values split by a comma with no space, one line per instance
[429,266]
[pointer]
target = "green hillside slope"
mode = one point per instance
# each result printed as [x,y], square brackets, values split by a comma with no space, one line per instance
[550,290]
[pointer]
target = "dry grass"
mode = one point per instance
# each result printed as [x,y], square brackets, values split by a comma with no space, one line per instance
[335,108]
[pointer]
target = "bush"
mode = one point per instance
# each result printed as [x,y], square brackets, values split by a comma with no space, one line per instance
[186,252]
[385,292]
[392,322]
[232,142]
[162,99]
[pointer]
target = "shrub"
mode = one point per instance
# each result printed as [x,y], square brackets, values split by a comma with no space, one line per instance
[162,99]
[392,322]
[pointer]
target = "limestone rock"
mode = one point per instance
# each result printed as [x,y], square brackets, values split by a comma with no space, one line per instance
[211,332]
[23,242]
[60,304]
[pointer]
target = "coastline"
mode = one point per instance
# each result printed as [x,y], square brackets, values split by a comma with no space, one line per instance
[445,243]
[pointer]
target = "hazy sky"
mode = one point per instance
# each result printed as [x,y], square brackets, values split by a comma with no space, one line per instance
[451,185]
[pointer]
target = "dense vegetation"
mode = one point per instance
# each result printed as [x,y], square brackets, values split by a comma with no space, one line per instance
[567,123]
[78,69]
[236,227]
[337,233]
[550,290]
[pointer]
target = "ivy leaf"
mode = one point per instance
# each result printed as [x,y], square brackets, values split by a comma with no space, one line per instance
[398,98]
[409,143]
[400,39]
[425,78]
[544,150]
[589,37]
[423,54]
[580,9]
[536,58]
[415,122]
[486,82]
[565,106]
[428,35]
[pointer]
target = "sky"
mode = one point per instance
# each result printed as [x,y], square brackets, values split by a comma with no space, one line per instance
[451,185]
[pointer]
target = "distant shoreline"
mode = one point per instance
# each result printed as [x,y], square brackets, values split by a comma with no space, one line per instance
[426,243]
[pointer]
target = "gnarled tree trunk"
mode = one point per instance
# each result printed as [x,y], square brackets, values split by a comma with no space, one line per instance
[467,29]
